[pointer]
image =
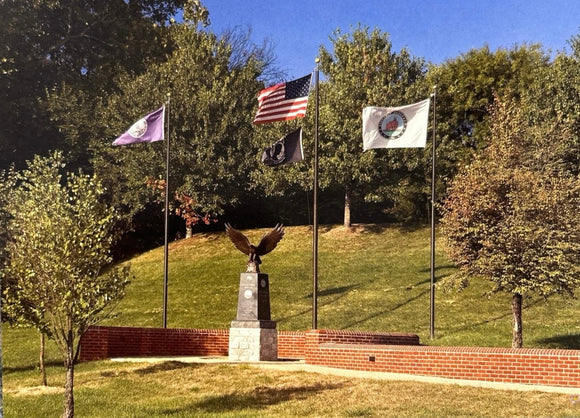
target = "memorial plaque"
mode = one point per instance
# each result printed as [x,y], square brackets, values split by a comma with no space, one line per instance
[253,297]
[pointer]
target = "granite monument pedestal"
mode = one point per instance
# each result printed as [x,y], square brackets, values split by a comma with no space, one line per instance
[253,335]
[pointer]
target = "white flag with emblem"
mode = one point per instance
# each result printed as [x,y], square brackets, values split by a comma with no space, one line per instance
[396,127]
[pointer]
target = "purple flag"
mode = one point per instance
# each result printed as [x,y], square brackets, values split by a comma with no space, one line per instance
[147,129]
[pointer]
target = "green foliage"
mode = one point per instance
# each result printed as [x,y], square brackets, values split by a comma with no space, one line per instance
[81,44]
[511,216]
[554,102]
[59,241]
[212,82]
[362,70]
[59,237]
[466,86]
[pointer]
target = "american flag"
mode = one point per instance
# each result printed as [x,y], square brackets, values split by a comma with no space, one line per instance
[284,101]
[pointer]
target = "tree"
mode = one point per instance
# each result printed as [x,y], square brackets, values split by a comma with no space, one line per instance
[554,101]
[511,216]
[56,274]
[186,209]
[362,70]
[213,82]
[80,44]
[466,86]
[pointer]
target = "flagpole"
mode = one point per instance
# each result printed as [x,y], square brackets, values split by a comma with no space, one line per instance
[166,246]
[432,298]
[315,212]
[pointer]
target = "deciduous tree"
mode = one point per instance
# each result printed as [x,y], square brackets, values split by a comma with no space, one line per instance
[57,275]
[511,216]
[466,86]
[213,82]
[80,44]
[363,70]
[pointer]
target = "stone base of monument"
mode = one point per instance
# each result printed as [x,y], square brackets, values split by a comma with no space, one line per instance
[253,341]
[253,336]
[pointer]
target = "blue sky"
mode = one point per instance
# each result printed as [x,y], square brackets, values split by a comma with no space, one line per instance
[433,29]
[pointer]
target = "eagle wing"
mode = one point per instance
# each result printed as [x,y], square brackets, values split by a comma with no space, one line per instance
[270,240]
[241,242]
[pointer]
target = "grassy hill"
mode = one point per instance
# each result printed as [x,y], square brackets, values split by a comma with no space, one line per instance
[372,277]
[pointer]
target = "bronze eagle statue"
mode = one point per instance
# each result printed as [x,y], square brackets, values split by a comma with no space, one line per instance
[267,244]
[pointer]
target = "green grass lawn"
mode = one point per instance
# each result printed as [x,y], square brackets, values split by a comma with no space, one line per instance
[372,278]
[173,389]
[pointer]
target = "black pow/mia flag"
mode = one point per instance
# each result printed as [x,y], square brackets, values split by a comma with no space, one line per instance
[286,150]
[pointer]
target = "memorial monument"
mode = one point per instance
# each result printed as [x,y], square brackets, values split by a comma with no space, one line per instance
[253,335]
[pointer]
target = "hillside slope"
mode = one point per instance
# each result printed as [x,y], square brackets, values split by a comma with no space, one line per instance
[371,277]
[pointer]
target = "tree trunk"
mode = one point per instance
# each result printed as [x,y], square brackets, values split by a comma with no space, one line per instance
[188,231]
[347,209]
[69,364]
[517,337]
[41,364]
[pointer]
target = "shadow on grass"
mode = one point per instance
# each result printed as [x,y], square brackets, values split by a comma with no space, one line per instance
[321,293]
[387,311]
[165,366]
[507,314]
[29,367]
[438,267]
[335,290]
[261,397]
[380,228]
[568,341]
[419,283]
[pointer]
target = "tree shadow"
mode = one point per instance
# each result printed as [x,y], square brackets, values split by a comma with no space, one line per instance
[165,366]
[364,228]
[261,397]
[419,283]
[29,367]
[335,290]
[438,267]
[503,316]
[340,291]
[381,227]
[386,311]
[568,341]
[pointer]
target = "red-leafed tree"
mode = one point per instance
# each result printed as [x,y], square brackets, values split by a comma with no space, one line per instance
[184,206]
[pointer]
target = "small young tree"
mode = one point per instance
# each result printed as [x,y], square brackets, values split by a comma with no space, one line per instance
[512,215]
[186,206]
[59,239]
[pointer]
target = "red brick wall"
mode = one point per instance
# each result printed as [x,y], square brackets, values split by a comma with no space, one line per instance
[356,350]
[365,337]
[291,344]
[527,366]
[106,342]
